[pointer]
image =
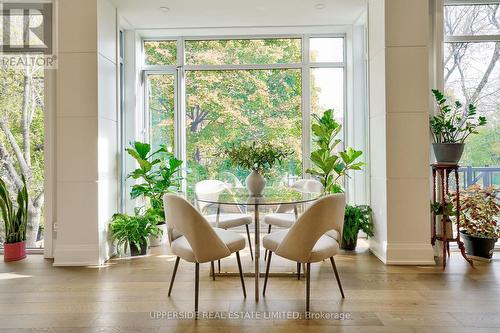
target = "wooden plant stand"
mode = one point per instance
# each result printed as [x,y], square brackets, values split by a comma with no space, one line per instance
[443,171]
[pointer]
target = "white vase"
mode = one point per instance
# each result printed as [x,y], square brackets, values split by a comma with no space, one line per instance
[255,183]
[157,241]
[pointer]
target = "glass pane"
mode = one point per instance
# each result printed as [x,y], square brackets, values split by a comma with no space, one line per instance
[161,110]
[327,91]
[472,20]
[326,49]
[160,52]
[243,51]
[23,88]
[242,106]
[472,75]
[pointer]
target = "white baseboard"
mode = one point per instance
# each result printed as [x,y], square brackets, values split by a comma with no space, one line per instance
[403,253]
[77,255]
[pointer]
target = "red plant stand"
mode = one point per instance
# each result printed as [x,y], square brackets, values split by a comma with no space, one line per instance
[443,171]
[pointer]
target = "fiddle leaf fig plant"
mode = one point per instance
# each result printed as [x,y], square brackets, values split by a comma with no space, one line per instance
[158,171]
[331,167]
[454,122]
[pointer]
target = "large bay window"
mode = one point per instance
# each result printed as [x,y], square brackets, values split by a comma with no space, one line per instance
[204,94]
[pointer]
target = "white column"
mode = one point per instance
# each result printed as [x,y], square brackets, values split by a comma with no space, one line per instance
[399,145]
[86,131]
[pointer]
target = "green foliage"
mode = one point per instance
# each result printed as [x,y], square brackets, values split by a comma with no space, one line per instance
[260,157]
[15,221]
[483,149]
[127,230]
[357,218]
[330,167]
[158,171]
[453,123]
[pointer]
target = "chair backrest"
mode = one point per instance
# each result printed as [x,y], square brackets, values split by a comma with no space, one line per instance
[323,215]
[202,238]
[210,190]
[302,185]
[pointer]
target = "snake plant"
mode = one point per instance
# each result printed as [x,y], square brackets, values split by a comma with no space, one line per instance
[15,218]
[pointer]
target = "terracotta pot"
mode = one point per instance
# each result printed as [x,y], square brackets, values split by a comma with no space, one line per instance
[14,251]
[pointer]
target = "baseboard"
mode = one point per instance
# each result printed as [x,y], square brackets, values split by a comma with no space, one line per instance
[378,250]
[409,254]
[77,255]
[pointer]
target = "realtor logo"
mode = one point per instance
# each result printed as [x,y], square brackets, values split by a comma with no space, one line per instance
[27,34]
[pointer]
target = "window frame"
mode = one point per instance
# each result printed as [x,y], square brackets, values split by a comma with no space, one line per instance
[180,142]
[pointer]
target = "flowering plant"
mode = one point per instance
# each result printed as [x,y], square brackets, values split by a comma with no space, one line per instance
[479,211]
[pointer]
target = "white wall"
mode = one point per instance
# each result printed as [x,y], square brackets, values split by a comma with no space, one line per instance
[86,131]
[399,135]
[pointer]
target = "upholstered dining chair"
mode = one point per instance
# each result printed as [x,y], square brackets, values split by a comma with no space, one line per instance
[226,216]
[306,242]
[200,242]
[286,214]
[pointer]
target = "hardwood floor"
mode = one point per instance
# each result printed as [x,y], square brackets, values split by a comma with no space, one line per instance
[119,297]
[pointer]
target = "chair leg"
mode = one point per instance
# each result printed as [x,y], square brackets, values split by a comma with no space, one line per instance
[249,241]
[337,276]
[196,286]
[173,275]
[269,255]
[212,268]
[308,286]
[268,231]
[241,274]
[298,270]
[218,264]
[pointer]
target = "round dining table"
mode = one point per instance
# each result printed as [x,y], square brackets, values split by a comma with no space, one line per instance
[271,196]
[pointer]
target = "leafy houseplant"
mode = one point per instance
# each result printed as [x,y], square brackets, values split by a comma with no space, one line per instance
[451,127]
[158,172]
[332,167]
[480,220]
[356,218]
[133,231]
[15,222]
[258,157]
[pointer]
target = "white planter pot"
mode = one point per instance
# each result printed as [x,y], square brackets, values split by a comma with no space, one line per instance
[157,241]
[255,183]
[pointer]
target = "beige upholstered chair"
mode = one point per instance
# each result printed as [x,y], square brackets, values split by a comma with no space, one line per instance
[226,216]
[286,214]
[306,242]
[199,242]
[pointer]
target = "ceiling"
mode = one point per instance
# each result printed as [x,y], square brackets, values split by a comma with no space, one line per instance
[146,14]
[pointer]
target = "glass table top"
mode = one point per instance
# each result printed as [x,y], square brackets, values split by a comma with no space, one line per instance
[270,196]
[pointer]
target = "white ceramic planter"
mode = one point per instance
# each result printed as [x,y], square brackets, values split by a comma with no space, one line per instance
[255,183]
[157,241]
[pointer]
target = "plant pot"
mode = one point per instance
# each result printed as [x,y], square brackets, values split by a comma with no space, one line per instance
[14,251]
[448,152]
[255,183]
[350,246]
[157,241]
[144,249]
[478,246]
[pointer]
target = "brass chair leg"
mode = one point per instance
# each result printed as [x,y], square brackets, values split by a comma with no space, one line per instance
[241,274]
[212,270]
[337,276]
[268,231]
[308,286]
[270,253]
[196,286]
[173,275]
[298,270]
[249,241]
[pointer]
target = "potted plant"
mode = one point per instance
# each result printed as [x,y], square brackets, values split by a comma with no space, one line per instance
[158,173]
[446,214]
[15,220]
[133,231]
[331,166]
[480,220]
[257,157]
[451,127]
[356,218]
